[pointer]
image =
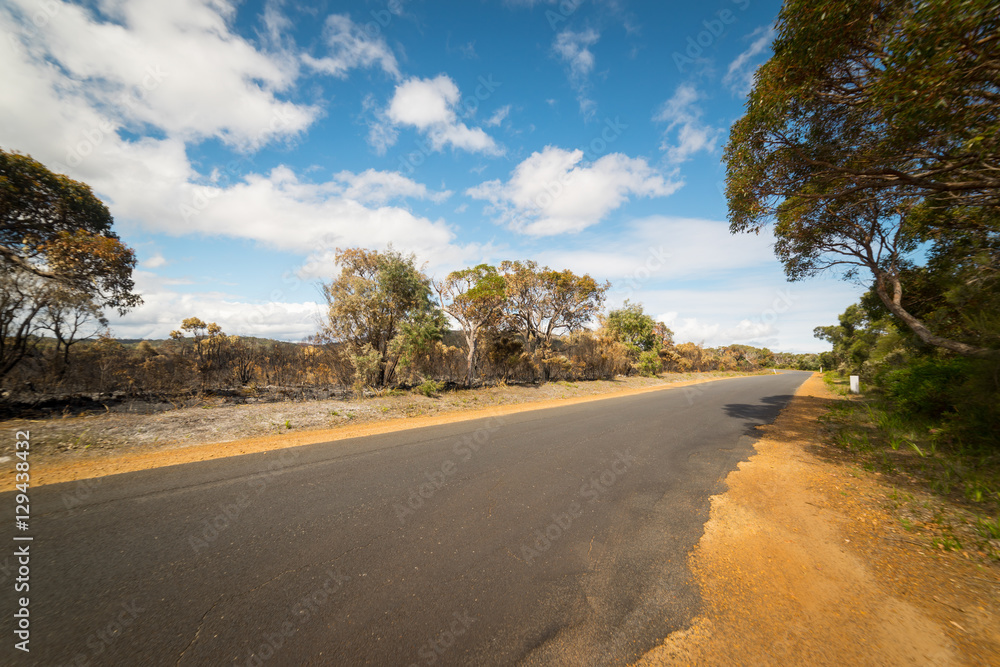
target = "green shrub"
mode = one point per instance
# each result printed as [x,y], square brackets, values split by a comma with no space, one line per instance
[366,364]
[429,388]
[960,394]
[927,388]
[649,364]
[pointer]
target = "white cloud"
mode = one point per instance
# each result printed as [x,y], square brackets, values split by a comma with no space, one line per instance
[378,187]
[347,211]
[553,192]
[739,76]
[681,112]
[154,262]
[277,26]
[706,283]
[573,48]
[150,184]
[173,66]
[350,47]
[746,332]
[650,250]
[73,127]
[499,116]
[431,106]
[466,51]
[164,309]
[381,135]
[424,103]
[381,132]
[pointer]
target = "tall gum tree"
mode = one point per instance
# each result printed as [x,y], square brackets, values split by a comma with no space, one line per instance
[867,96]
[475,298]
[542,303]
[57,247]
[868,113]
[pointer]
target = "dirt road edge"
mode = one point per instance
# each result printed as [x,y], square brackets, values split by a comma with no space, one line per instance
[801,564]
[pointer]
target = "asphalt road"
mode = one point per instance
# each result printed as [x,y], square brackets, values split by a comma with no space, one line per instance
[555,536]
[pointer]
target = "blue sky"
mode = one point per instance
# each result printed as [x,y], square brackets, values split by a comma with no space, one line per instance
[239,144]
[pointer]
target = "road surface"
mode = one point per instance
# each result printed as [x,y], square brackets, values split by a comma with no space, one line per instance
[554,536]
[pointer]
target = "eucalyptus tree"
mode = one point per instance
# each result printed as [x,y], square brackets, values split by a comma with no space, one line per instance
[57,252]
[475,298]
[865,97]
[871,141]
[379,307]
[542,303]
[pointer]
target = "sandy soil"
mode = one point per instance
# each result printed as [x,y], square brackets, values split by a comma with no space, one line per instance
[78,448]
[803,563]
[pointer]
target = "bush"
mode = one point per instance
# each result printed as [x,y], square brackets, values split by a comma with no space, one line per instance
[961,394]
[367,368]
[504,358]
[649,364]
[927,388]
[429,388]
[597,357]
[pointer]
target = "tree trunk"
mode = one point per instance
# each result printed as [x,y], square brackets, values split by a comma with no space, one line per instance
[895,305]
[544,347]
[470,373]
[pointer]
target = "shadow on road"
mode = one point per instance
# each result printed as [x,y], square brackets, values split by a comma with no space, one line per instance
[755,414]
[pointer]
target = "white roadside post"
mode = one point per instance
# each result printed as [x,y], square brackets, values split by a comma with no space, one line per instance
[855,384]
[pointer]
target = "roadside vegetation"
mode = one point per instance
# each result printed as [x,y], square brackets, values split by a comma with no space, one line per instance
[926,421]
[871,147]
[202,362]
